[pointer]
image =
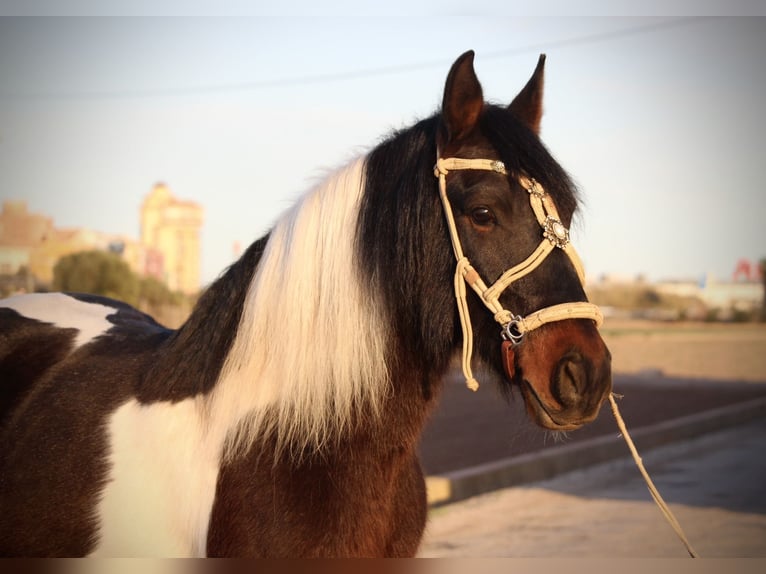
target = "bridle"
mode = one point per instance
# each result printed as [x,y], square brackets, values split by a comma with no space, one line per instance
[555,235]
[514,327]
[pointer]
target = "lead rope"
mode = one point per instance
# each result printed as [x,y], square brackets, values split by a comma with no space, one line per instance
[650,485]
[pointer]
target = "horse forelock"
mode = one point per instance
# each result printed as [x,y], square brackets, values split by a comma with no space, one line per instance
[523,153]
[309,350]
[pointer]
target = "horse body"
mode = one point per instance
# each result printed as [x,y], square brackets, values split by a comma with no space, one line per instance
[282,419]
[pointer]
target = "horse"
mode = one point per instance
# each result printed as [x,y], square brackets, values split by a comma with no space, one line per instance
[282,418]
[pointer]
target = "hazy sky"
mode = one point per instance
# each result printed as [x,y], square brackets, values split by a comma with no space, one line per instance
[659,119]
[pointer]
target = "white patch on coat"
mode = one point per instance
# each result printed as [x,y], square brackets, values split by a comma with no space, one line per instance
[161,483]
[60,310]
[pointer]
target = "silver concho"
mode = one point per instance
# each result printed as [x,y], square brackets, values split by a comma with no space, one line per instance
[555,232]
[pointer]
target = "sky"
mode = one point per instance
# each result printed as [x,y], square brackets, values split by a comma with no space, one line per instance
[658,117]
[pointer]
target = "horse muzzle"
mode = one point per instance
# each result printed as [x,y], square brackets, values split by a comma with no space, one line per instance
[564,374]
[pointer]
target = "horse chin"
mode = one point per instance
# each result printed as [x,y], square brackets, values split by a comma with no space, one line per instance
[543,415]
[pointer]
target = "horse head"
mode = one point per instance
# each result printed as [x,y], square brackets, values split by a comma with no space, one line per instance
[508,207]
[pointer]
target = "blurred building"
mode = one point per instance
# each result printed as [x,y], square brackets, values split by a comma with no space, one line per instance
[740,294]
[171,228]
[20,231]
[168,249]
[704,298]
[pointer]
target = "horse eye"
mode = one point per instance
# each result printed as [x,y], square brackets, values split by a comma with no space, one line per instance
[482,216]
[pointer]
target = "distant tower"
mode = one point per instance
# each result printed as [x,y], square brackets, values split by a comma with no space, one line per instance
[171,227]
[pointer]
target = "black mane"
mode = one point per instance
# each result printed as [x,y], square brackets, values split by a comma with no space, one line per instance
[402,241]
[399,219]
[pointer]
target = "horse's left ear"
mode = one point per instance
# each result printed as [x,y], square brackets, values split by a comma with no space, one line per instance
[528,104]
[463,99]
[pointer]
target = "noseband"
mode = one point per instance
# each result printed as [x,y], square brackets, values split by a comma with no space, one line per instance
[513,327]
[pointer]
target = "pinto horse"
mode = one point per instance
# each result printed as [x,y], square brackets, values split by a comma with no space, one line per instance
[282,419]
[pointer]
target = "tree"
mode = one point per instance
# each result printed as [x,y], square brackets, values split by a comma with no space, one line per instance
[154,294]
[98,273]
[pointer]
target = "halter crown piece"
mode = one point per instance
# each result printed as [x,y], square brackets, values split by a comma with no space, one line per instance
[555,234]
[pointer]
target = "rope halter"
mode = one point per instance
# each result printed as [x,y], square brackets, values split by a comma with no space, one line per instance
[555,235]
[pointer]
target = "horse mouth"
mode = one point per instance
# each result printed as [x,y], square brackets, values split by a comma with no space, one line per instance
[543,415]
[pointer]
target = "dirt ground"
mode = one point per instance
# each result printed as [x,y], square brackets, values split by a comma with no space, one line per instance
[720,351]
[713,484]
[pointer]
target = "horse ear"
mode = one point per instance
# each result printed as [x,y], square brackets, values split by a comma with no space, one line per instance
[463,98]
[528,104]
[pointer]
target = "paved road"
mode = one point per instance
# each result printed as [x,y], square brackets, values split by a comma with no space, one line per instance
[469,429]
[715,485]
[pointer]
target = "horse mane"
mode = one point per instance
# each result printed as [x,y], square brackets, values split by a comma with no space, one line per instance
[311,340]
[403,244]
[354,281]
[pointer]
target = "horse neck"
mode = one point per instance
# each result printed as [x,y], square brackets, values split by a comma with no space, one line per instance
[296,342]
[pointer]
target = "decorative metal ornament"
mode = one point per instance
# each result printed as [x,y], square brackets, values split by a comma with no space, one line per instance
[535,188]
[555,232]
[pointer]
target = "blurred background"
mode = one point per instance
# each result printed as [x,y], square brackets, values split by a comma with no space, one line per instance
[171,136]
[144,145]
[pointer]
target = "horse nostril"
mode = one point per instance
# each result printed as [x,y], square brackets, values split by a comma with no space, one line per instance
[571,376]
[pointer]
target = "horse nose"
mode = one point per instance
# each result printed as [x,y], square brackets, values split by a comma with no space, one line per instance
[570,379]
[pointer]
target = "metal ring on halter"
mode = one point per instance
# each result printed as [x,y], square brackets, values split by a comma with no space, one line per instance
[511,331]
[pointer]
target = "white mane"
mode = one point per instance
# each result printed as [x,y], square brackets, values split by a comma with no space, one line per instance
[310,344]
